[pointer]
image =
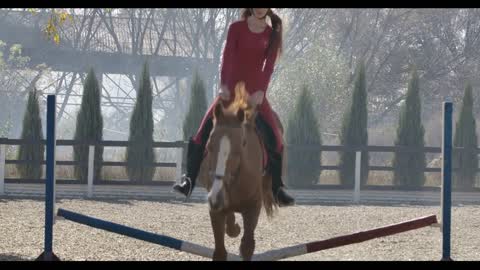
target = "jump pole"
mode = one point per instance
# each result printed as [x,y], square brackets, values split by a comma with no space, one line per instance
[158,239]
[344,240]
[271,255]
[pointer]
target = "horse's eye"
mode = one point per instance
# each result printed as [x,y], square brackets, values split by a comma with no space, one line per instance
[244,143]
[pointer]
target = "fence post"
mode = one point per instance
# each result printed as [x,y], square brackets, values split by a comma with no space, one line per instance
[358,162]
[91,158]
[2,169]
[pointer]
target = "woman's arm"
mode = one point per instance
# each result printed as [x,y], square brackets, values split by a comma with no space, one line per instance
[268,70]
[264,78]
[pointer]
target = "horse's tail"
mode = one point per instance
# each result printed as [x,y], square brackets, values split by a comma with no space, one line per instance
[268,202]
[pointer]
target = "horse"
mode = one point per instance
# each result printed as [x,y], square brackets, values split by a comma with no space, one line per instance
[232,173]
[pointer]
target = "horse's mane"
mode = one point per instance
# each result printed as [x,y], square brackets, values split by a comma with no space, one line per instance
[241,101]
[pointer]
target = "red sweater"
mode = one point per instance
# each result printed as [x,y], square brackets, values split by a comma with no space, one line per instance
[244,58]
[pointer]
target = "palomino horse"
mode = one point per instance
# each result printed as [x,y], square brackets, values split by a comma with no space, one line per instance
[232,173]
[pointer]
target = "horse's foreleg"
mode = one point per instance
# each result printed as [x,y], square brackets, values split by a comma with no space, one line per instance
[218,225]
[250,221]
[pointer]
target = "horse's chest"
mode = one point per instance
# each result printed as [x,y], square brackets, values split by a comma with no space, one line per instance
[241,205]
[245,193]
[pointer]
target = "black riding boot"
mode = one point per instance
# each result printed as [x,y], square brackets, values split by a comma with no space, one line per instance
[274,166]
[194,159]
[279,193]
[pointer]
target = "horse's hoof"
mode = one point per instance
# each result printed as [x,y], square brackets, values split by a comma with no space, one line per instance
[233,232]
[219,255]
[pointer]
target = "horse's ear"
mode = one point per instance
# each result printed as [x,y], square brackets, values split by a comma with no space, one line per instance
[218,112]
[241,115]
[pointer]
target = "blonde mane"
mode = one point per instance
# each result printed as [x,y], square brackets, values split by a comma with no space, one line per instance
[241,101]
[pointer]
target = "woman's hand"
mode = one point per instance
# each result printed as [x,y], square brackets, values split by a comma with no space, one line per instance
[257,98]
[224,93]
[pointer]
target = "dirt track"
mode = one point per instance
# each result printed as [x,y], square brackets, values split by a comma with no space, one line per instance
[21,228]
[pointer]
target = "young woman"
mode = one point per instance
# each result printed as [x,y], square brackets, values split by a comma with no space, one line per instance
[250,54]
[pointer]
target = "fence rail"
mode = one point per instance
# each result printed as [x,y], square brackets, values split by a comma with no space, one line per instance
[178,164]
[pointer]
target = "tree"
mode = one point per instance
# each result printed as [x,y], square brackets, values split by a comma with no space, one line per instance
[16,81]
[465,136]
[140,155]
[409,167]
[324,74]
[303,129]
[354,131]
[89,128]
[197,109]
[32,130]
[56,20]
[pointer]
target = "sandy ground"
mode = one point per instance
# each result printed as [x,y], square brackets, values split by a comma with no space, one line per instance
[22,220]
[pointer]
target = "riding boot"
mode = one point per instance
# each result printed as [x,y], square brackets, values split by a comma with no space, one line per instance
[280,195]
[274,164]
[194,160]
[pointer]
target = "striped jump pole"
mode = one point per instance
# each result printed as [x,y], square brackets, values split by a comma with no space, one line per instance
[344,240]
[271,255]
[158,239]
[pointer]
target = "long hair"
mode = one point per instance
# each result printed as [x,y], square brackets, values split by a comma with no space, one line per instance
[275,42]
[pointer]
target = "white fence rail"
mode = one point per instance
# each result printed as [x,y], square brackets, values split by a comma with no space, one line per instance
[199,195]
[164,193]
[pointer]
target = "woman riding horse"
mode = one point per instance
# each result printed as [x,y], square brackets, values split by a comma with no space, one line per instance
[250,53]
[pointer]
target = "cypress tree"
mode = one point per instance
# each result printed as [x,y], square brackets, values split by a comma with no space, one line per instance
[303,129]
[409,167]
[31,130]
[465,136]
[89,128]
[354,131]
[197,108]
[140,154]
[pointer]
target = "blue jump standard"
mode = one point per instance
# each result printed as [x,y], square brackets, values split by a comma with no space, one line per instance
[121,229]
[48,254]
[447,180]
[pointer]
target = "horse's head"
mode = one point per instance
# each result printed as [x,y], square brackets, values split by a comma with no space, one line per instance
[225,147]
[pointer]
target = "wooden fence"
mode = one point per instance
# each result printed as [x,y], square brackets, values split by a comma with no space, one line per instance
[179,161]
